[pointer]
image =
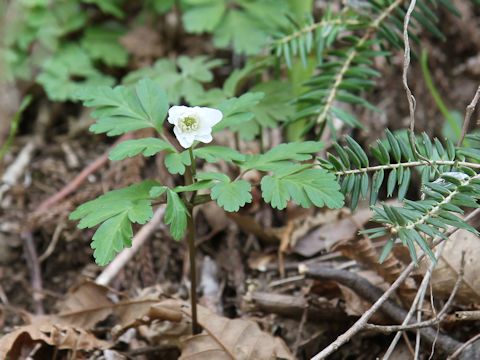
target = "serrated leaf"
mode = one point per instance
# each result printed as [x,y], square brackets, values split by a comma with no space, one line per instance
[237,111]
[183,78]
[123,109]
[59,74]
[176,214]
[212,176]
[102,43]
[306,188]
[112,236]
[176,162]
[215,153]
[232,195]
[281,154]
[116,210]
[108,6]
[145,146]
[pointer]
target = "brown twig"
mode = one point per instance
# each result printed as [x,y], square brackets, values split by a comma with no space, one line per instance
[416,301]
[370,292]
[35,271]
[468,115]
[79,179]
[463,347]
[423,324]
[303,320]
[360,323]
[465,316]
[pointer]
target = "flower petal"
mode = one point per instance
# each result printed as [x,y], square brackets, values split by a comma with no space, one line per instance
[185,139]
[209,116]
[205,138]
[176,113]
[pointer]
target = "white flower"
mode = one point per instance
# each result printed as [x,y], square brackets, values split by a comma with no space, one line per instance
[193,123]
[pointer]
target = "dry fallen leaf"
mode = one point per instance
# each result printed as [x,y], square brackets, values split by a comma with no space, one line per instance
[355,305]
[231,339]
[85,306]
[447,270]
[60,336]
[322,232]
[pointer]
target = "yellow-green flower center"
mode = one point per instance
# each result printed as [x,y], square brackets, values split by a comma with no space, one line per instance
[189,124]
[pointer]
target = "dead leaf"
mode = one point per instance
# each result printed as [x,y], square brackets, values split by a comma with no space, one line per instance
[88,303]
[85,305]
[356,305]
[143,42]
[446,272]
[144,311]
[320,233]
[62,337]
[362,249]
[229,339]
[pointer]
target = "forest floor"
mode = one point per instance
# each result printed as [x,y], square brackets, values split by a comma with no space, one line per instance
[248,263]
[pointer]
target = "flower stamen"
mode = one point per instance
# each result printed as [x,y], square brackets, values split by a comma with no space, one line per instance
[189,124]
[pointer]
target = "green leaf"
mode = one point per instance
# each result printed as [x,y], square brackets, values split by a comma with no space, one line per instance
[181,79]
[123,109]
[112,236]
[212,176]
[232,195]
[392,179]
[176,214]
[199,185]
[102,43]
[275,106]
[282,154]
[116,210]
[157,191]
[224,17]
[175,162]
[146,146]
[215,153]
[59,74]
[377,182]
[386,250]
[162,6]
[306,188]
[111,7]
[204,17]
[238,110]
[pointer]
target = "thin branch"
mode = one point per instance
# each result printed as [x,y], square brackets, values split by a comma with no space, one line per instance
[420,292]
[435,209]
[423,324]
[370,292]
[360,323]
[35,271]
[463,347]
[407,164]
[406,65]
[468,115]
[313,27]
[78,180]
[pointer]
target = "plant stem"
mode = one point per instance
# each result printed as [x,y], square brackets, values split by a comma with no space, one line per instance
[193,270]
[193,166]
[190,179]
[436,95]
